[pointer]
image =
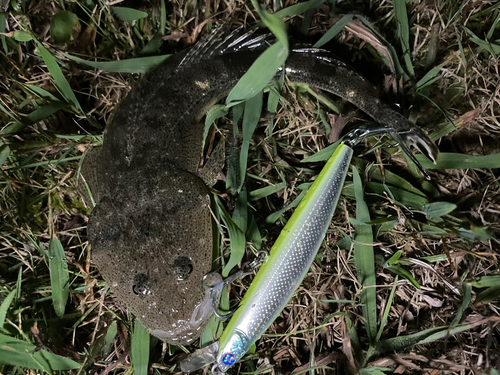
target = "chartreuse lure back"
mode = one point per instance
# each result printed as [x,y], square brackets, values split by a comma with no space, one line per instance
[289,260]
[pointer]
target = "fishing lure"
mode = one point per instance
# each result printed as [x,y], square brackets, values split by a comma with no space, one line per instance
[289,260]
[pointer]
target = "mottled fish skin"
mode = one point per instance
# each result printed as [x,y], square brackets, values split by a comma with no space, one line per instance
[150,230]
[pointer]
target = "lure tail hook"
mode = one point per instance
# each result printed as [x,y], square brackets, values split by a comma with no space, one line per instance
[214,283]
[412,136]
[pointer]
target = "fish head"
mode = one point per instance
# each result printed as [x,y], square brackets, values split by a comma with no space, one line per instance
[152,242]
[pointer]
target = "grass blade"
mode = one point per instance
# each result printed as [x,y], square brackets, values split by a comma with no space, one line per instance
[467,297]
[334,30]
[129,14]
[4,307]
[387,177]
[135,65]
[253,108]
[387,310]
[398,343]
[297,9]
[488,295]
[217,111]
[59,276]
[273,100]
[259,75]
[403,32]
[323,154]
[431,230]
[353,336]
[59,79]
[110,334]
[213,330]
[103,343]
[437,209]
[253,234]
[2,31]
[19,283]
[321,98]
[273,23]
[429,78]
[443,334]
[460,161]
[237,113]
[240,213]
[365,260]
[20,353]
[236,236]
[399,196]
[265,67]
[492,48]
[433,47]
[22,36]
[486,281]
[140,349]
[493,27]
[153,45]
[41,93]
[403,273]
[233,177]
[4,153]
[35,116]
[475,233]
[276,215]
[266,191]
[163,16]
[393,54]
[423,337]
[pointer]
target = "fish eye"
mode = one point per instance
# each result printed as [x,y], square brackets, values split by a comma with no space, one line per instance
[141,285]
[182,268]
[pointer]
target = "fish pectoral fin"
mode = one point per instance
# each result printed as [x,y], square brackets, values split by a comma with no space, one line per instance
[210,171]
[88,183]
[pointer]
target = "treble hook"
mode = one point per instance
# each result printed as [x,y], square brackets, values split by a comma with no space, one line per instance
[414,136]
[213,282]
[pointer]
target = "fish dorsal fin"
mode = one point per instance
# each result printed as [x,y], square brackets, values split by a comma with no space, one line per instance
[223,41]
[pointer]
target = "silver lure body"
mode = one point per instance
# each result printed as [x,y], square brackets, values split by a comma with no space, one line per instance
[288,262]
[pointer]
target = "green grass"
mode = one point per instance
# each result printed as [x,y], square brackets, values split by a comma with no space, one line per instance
[361,299]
